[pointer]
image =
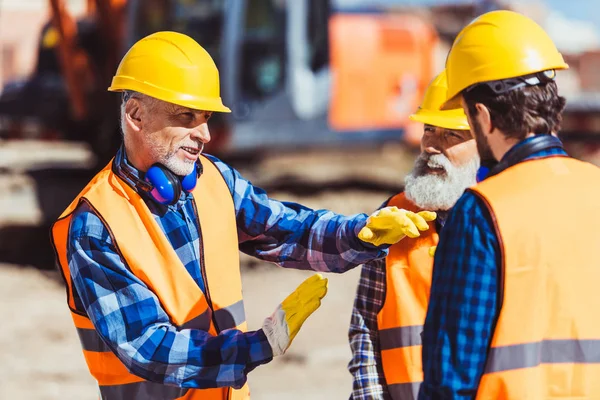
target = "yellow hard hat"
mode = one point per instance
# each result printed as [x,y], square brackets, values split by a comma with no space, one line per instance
[498,45]
[429,112]
[172,67]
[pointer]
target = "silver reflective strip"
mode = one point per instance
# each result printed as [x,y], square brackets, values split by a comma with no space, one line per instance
[404,391]
[545,352]
[91,341]
[142,391]
[201,322]
[405,336]
[230,317]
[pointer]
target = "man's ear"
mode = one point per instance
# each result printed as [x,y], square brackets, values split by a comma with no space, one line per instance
[133,114]
[484,118]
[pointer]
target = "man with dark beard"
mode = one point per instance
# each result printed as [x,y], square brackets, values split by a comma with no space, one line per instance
[391,301]
[515,279]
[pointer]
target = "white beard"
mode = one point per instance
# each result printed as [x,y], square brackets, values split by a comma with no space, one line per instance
[178,167]
[439,192]
[170,160]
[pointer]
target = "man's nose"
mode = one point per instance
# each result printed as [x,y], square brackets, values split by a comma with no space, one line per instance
[432,150]
[201,133]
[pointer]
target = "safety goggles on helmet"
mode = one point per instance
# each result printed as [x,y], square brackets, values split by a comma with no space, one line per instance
[502,86]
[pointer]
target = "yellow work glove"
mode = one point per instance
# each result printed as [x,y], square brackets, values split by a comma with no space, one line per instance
[391,224]
[283,325]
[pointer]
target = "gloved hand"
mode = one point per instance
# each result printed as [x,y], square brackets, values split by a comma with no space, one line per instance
[391,224]
[283,325]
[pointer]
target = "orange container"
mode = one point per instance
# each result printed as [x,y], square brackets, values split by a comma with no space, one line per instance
[381,65]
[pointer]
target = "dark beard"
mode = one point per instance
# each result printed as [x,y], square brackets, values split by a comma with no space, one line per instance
[483,145]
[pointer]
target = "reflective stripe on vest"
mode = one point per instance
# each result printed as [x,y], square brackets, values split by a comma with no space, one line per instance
[400,320]
[507,358]
[546,342]
[404,336]
[408,390]
[91,341]
[142,390]
[150,256]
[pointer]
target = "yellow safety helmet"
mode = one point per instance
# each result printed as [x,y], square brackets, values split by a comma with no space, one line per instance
[172,67]
[429,112]
[495,46]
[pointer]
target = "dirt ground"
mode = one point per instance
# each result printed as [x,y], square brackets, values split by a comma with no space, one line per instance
[40,356]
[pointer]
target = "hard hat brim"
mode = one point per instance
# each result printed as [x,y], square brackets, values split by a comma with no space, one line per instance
[120,84]
[450,119]
[452,103]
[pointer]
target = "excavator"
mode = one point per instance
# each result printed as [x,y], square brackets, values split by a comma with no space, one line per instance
[296,73]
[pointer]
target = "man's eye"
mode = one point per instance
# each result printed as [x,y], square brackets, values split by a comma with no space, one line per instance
[187,115]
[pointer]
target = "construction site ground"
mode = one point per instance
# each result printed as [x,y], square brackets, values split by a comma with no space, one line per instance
[40,357]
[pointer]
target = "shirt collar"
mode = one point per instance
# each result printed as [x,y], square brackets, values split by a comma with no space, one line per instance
[516,146]
[441,218]
[125,170]
[523,143]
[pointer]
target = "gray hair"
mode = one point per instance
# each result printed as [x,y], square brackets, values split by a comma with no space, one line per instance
[130,94]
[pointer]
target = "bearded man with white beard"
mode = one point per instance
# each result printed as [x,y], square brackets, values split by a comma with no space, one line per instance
[392,297]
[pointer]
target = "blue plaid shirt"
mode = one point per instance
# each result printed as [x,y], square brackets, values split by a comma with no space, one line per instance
[463,300]
[128,315]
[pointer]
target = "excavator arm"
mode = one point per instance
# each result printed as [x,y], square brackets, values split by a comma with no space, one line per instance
[75,63]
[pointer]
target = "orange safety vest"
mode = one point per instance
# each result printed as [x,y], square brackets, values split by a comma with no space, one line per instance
[400,321]
[148,253]
[546,342]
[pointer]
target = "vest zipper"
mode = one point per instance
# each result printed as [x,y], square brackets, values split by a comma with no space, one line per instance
[203,273]
[202,267]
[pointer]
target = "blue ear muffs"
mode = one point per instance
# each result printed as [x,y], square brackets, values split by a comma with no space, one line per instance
[188,183]
[166,186]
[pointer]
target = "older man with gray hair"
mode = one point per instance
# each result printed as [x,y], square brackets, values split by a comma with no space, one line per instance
[149,250]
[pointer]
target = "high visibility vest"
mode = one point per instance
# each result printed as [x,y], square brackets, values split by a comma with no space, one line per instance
[546,342]
[400,321]
[148,253]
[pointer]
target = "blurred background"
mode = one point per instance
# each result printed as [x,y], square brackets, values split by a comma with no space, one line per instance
[320,91]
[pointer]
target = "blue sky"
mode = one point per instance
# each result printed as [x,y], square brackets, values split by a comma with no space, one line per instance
[587,10]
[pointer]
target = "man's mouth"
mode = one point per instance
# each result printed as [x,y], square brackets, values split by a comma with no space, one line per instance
[192,150]
[434,168]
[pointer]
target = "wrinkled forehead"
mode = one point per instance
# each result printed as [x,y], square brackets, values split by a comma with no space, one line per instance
[159,106]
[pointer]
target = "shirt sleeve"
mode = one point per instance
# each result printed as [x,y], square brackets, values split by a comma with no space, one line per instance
[365,365]
[463,303]
[295,236]
[129,318]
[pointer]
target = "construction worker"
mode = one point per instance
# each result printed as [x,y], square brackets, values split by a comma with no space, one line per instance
[149,248]
[392,295]
[514,291]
